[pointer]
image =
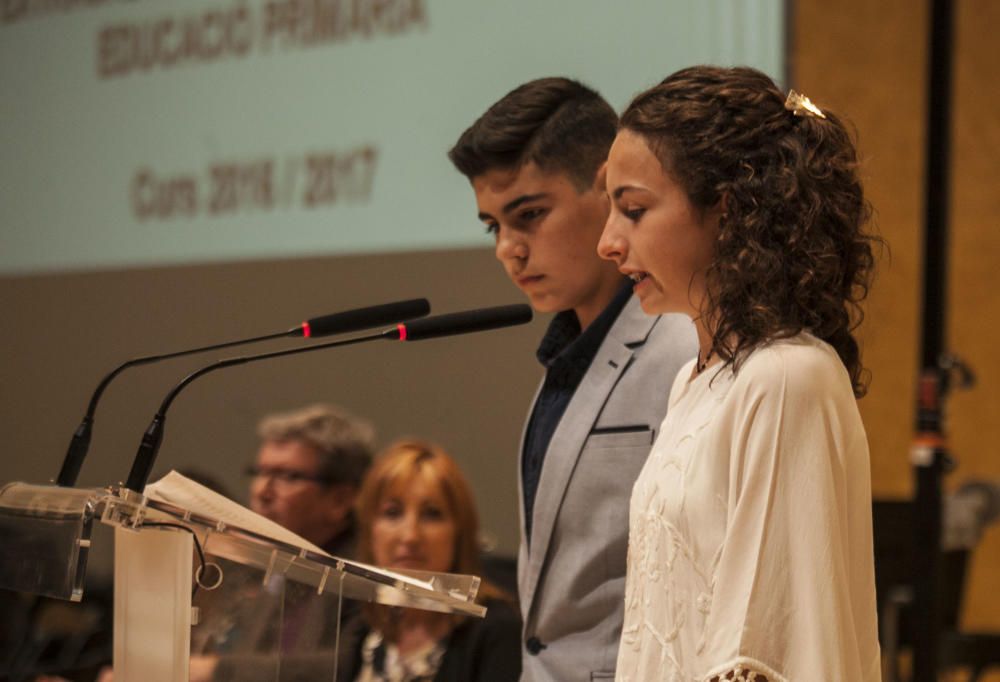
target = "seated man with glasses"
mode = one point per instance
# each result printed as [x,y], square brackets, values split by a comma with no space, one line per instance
[308,471]
[306,476]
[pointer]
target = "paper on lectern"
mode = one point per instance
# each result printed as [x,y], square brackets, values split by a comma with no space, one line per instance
[181,491]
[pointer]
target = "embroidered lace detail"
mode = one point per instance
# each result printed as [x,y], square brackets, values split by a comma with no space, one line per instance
[740,673]
[744,669]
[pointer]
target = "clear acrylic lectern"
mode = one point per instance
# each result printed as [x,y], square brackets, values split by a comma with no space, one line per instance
[248,606]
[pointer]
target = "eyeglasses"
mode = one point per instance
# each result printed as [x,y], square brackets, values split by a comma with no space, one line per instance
[285,476]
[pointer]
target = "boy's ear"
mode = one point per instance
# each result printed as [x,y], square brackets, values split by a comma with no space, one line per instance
[601,178]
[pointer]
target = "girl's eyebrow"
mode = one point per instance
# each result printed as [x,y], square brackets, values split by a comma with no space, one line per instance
[625,188]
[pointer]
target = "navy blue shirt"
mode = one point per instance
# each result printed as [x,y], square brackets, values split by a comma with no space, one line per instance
[566,355]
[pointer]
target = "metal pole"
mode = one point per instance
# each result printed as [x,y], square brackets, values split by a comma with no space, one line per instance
[929,455]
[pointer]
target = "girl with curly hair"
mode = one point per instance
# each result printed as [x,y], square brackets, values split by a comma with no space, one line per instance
[750,539]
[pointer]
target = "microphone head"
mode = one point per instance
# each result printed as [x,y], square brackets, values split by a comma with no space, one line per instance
[364,318]
[465,322]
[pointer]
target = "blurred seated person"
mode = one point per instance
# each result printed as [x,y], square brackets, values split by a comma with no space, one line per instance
[416,512]
[308,471]
[306,477]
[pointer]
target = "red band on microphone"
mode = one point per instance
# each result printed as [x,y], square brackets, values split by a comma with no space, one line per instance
[306,331]
[402,331]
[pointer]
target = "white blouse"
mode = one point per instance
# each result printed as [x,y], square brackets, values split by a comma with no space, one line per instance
[750,530]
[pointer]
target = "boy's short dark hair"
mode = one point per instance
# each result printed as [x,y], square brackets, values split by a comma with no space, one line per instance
[557,123]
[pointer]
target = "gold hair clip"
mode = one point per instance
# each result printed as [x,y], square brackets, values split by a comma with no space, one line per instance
[800,105]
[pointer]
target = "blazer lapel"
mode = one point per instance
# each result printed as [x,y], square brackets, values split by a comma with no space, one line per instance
[629,331]
[522,551]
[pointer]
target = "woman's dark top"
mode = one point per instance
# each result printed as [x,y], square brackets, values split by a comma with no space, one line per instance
[478,650]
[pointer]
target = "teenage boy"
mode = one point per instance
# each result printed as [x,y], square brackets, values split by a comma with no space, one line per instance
[535,161]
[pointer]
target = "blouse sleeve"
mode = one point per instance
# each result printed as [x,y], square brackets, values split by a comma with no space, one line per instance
[793,595]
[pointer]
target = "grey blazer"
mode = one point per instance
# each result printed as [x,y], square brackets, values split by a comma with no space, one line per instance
[571,581]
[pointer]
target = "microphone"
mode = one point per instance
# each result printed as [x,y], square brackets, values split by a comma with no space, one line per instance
[433,327]
[316,327]
[464,322]
[362,318]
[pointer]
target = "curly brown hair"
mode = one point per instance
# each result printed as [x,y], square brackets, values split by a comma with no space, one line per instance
[792,253]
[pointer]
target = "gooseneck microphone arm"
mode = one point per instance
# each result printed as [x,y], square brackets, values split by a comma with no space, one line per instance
[145,457]
[80,442]
[432,327]
[326,325]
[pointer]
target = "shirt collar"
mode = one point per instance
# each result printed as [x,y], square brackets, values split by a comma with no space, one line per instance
[565,350]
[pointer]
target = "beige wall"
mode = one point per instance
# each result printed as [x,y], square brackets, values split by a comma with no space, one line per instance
[867,60]
[61,333]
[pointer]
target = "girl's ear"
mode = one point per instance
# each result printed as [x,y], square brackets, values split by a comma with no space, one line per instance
[721,208]
[714,215]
